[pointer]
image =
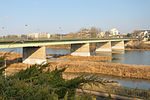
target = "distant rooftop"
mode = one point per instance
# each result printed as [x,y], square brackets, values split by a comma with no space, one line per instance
[144,31]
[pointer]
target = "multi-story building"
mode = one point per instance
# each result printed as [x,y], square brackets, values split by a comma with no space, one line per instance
[39,35]
[114,32]
[33,35]
[44,35]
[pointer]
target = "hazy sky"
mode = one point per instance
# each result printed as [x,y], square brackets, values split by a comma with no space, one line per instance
[28,16]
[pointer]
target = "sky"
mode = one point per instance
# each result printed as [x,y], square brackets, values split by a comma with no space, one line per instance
[64,16]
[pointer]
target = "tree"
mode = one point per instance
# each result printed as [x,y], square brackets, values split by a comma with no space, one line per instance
[136,33]
[94,32]
[3,63]
[37,83]
[128,35]
[107,33]
[83,33]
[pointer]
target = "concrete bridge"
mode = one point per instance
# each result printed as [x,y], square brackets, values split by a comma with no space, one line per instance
[34,52]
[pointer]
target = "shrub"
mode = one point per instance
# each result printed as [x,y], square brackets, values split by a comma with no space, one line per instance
[37,83]
[2,63]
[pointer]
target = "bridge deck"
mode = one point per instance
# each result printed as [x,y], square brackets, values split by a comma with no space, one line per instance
[54,42]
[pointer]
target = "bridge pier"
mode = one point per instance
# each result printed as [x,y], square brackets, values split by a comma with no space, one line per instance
[34,55]
[82,49]
[118,45]
[103,46]
[126,43]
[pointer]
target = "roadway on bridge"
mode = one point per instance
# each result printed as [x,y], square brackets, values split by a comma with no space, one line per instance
[53,42]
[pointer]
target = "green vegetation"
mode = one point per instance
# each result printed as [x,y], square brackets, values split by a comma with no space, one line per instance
[40,83]
[2,63]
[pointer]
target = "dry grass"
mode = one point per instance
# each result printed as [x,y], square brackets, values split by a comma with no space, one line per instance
[123,70]
[87,58]
[87,65]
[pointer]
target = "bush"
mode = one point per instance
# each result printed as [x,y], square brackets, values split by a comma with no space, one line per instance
[2,63]
[37,83]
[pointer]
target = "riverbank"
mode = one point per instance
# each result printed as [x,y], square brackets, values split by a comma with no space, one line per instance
[88,58]
[130,49]
[138,45]
[91,64]
[79,64]
[115,69]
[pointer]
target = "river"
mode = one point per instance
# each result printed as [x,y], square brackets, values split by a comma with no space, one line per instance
[126,57]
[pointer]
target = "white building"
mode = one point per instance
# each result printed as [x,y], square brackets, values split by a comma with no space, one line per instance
[143,33]
[33,35]
[114,32]
[146,33]
[44,35]
[39,35]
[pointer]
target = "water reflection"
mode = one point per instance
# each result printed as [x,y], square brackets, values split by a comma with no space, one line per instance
[125,82]
[134,58]
[128,82]
[57,51]
[16,50]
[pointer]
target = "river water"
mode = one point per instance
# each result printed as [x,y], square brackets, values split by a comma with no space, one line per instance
[125,57]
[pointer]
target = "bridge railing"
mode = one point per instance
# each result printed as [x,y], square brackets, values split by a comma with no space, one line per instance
[55,39]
